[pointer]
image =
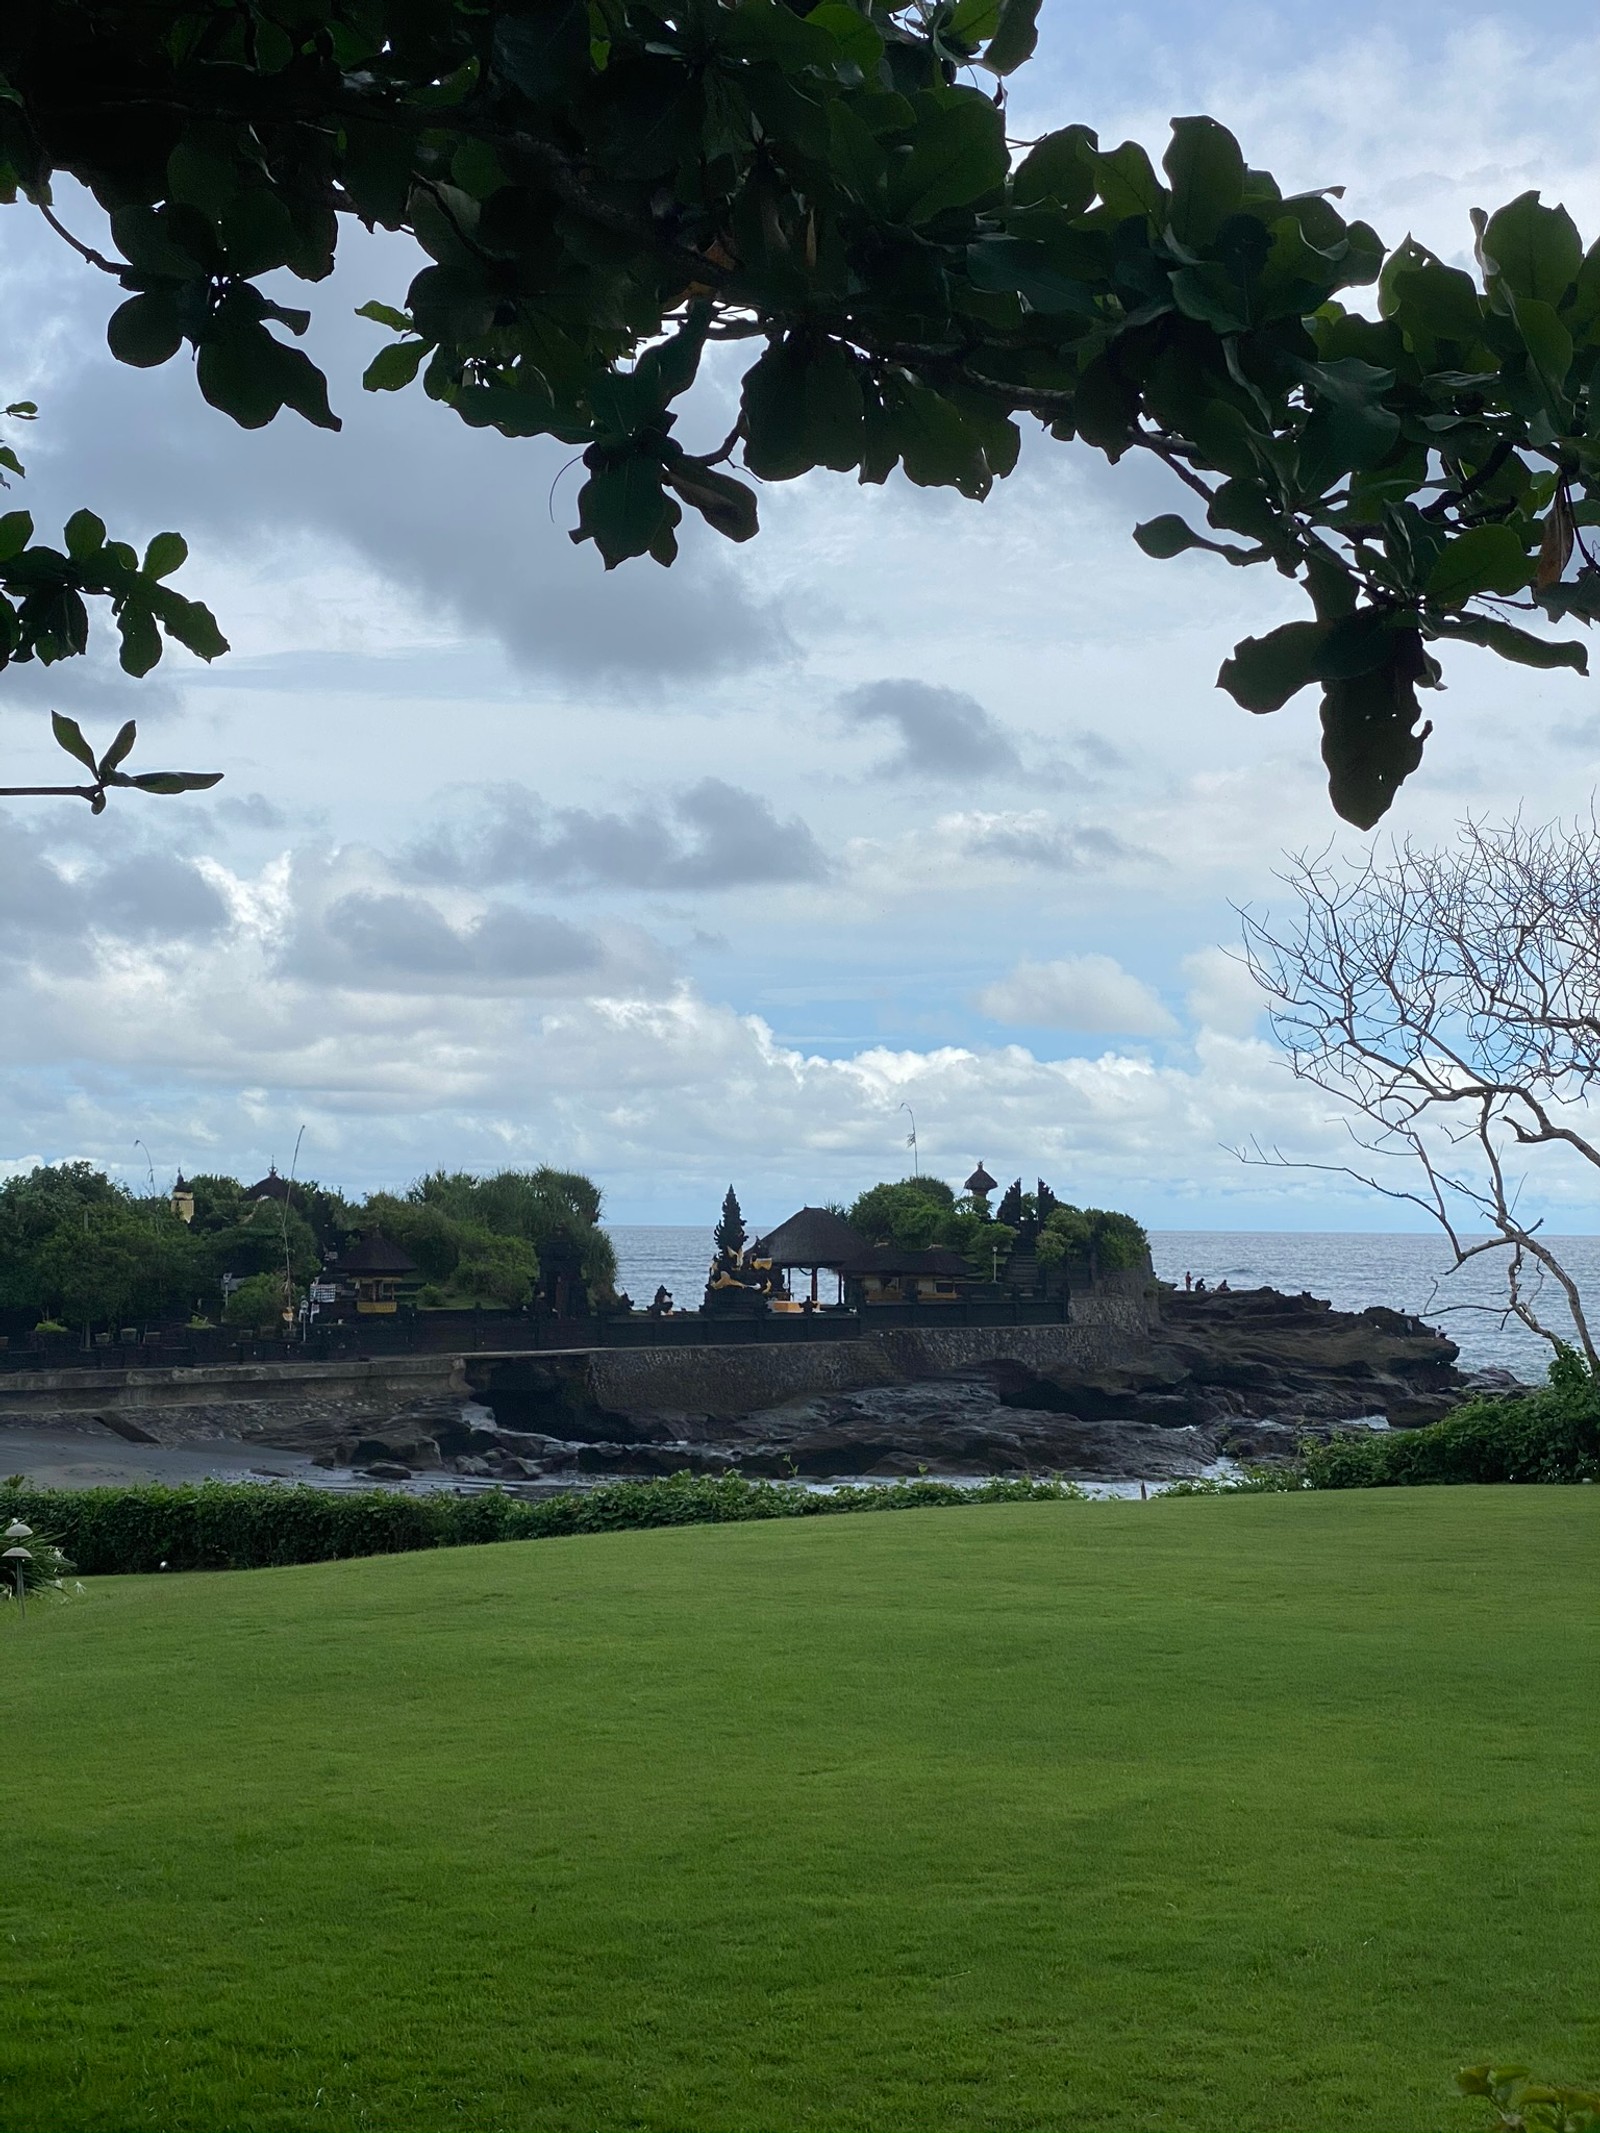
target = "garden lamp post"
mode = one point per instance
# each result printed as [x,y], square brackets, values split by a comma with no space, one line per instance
[19,1558]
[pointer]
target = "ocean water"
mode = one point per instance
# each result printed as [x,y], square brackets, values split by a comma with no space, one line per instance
[1408,1273]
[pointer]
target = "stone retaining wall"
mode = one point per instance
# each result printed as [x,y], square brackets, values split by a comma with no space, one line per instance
[313,1404]
[740,1381]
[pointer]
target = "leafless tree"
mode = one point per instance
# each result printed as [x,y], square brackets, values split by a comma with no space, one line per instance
[1450,1000]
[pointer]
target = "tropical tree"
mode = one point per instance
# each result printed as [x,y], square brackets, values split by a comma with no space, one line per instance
[911,1213]
[34,1206]
[1109,1242]
[258,1302]
[604,192]
[544,1207]
[500,1270]
[89,1271]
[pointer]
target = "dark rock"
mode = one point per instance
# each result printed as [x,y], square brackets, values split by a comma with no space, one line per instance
[1241,1376]
[1496,1382]
[385,1470]
[1255,1353]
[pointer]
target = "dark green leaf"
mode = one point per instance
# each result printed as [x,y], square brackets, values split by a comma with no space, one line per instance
[141,640]
[145,330]
[850,31]
[69,735]
[1425,297]
[1206,170]
[118,752]
[958,154]
[1483,559]
[939,447]
[1210,294]
[1128,185]
[176,781]
[166,553]
[386,315]
[85,535]
[16,531]
[1549,347]
[623,508]
[968,23]
[1338,440]
[1264,672]
[1577,597]
[305,389]
[190,622]
[1535,250]
[1244,507]
[858,159]
[544,50]
[236,373]
[670,367]
[257,232]
[802,408]
[1370,741]
[451,304]
[726,505]
[1512,643]
[1013,265]
[1014,40]
[1060,167]
[1167,536]
[395,366]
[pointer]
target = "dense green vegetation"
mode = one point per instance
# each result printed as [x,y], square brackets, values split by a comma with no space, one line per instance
[1264,1813]
[598,191]
[1549,1435]
[919,1212]
[78,1249]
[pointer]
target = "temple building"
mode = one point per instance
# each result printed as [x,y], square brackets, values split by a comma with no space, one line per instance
[271,1187]
[373,1274]
[888,1273]
[811,1242]
[182,1199]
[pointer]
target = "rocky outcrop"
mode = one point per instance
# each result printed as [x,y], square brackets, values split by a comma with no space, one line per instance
[1256,1355]
[1239,1376]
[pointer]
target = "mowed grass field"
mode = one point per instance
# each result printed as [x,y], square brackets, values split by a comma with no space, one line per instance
[1249,1813]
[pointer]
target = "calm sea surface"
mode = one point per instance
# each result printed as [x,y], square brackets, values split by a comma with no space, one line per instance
[1352,1271]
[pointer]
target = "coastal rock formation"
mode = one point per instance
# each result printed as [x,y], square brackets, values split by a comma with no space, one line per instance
[1256,1355]
[1241,1376]
[1207,1377]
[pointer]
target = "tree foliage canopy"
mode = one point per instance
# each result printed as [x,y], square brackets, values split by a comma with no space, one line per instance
[75,1246]
[604,189]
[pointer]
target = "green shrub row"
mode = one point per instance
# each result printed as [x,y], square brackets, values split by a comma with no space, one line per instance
[1544,1436]
[253,1525]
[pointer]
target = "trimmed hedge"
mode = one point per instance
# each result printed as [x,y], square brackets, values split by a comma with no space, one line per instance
[254,1526]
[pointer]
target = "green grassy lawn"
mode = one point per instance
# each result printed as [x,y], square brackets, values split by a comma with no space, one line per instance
[1263,1812]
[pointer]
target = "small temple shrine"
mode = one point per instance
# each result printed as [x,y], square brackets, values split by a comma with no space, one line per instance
[782,1271]
[372,1274]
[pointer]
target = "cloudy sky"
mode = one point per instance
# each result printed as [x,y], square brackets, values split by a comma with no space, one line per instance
[685,876]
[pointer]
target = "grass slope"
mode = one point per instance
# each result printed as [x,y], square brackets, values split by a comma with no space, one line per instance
[1252,1813]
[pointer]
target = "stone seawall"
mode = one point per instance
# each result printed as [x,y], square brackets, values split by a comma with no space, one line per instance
[311,1406]
[727,1382]
[292,1404]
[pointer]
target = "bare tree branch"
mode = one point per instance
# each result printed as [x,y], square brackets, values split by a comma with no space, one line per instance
[1449,1001]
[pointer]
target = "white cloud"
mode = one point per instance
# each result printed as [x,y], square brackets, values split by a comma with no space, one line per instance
[1222,994]
[1088,993]
[409,619]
